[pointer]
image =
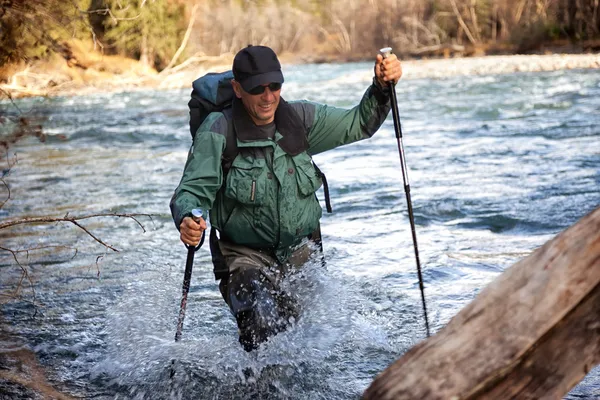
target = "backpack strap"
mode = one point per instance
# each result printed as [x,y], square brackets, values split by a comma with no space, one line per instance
[325,188]
[220,268]
[231,151]
[231,148]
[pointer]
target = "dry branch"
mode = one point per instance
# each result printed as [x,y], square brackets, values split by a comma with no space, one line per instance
[24,275]
[437,49]
[186,37]
[7,190]
[74,221]
[462,22]
[5,173]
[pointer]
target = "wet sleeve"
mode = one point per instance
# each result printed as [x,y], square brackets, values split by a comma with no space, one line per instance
[333,127]
[202,176]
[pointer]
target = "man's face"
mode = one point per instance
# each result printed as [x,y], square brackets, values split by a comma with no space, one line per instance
[260,107]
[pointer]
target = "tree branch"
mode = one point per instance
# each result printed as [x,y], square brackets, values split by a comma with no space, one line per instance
[5,173]
[186,37]
[7,94]
[74,221]
[462,22]
[24,274]
[97,239]
[28,250]
[7,189]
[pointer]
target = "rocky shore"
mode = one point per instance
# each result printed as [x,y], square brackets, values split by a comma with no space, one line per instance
[71,81]
[490,65]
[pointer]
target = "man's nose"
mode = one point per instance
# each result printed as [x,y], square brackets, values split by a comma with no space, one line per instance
[268,95]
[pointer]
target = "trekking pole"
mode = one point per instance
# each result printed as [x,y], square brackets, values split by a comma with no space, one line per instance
[187,277]
[398,128]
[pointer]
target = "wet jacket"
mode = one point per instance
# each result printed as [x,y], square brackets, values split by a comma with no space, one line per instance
[266,199]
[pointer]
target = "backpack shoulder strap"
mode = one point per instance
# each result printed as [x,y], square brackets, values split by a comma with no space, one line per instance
[231,151]
[231,148]
[325,187]
[306,113]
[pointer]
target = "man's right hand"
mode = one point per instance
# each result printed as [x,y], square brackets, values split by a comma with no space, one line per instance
[388,69]
[191,231]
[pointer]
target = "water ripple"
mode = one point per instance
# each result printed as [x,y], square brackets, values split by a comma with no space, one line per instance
[497,165]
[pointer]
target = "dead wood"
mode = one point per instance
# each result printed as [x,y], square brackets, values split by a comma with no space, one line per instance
[534,332]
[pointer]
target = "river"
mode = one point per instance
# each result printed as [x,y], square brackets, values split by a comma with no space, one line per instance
[497,164]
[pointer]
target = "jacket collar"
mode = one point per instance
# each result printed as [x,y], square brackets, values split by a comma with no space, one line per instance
[287,121]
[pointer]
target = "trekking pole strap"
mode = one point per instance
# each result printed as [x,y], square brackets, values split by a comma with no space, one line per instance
[325,188]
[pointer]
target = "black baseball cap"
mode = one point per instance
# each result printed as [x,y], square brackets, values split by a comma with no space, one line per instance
[256,65]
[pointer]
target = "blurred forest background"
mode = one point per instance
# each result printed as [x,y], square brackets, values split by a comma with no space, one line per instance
[163,34]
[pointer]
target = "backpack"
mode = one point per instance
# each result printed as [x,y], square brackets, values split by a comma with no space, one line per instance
[213,93]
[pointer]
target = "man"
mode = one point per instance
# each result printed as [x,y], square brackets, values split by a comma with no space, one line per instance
[263,203]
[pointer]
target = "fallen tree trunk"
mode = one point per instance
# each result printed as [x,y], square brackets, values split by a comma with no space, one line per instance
[533,333]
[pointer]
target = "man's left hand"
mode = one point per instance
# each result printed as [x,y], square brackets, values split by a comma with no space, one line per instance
[387,69]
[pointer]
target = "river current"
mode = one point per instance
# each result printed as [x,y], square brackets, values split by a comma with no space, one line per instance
[498,165]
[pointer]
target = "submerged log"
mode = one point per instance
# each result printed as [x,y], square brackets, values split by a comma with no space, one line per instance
[533,333]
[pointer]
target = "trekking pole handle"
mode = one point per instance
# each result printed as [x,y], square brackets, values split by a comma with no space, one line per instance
[386,51]
[196,215]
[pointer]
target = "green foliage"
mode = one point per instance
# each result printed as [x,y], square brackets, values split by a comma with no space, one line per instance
[554,31]
[484,13]
[34,29]
[445,18]
[531,37]
[152,30]
[149,30]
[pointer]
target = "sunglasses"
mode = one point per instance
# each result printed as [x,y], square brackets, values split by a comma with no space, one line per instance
[273,87]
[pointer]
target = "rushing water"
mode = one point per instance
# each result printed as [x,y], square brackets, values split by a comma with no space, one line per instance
[498,165]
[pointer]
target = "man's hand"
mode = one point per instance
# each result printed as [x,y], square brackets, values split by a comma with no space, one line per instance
[387,69]
[191,231]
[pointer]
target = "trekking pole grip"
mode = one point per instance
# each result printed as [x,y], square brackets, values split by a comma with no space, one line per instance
[196,215]
[385,52]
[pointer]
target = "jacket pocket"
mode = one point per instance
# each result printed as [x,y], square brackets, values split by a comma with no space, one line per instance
[306,176]
[246,181]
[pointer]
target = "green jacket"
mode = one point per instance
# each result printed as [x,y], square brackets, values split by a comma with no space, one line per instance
[268,198]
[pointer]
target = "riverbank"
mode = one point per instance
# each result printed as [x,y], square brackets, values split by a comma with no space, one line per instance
[21,375]
[112,76]
[492,65]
